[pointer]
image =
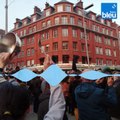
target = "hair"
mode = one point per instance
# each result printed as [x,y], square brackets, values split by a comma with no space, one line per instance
[14,101]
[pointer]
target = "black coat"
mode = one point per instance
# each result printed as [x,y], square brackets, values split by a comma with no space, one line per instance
[43,104]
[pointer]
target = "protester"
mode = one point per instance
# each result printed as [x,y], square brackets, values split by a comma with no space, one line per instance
[13,108]
[43,100]
[93,101]
[14,102]
[115,111]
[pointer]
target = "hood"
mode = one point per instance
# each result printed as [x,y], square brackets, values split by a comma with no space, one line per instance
[84,90]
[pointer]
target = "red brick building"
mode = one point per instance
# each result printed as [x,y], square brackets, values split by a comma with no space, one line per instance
[61,32]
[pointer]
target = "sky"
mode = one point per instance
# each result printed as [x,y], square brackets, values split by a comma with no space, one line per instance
[23,8]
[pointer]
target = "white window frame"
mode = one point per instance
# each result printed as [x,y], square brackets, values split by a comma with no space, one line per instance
[60,8]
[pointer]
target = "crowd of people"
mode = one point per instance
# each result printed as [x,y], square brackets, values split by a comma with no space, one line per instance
[85,99]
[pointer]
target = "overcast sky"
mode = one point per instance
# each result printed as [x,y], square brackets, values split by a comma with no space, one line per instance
[23,8]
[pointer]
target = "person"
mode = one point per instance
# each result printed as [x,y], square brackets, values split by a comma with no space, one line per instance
[14,102]
[43,100]
[9,110]
[93,101]
[115,111]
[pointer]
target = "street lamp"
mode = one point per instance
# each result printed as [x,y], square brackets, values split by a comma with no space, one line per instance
[86,44]
[6,17]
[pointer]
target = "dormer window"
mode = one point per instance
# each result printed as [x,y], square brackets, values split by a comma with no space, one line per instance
[68,8]
[17,25]
[108,23]
[34,18]
[47,13]
[25,22]
[102,21]
[79,12]
[93,17]
[60,8]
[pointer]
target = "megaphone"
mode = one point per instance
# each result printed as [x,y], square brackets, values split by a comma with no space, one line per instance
[10,43]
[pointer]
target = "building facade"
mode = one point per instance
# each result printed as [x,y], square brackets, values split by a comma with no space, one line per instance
[60,32]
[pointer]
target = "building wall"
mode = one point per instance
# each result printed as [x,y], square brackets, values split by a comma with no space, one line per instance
[37,29]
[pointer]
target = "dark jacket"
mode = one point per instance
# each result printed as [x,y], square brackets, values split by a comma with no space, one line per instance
[43,104]
[93,101]
[115,110]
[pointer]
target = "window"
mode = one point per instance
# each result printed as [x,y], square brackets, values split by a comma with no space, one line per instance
[75,46]
[32,51]
[55,58]
[98,39]
[55,46]
[94,27]
[82,36]
[103,30]
[42,36]
[79,12]
[79,22]
[101,51]
[108,52]
[83,47]
[68,8]
[34,28]
[111,33]
[47,13]
[108,23]
[43,25]
[93,17]
[65,45]
[60,8]
[24,32]
[48,23]
[114,43]
[97,61]
[102,21]
[32,62]
[23,42]
[106,31]
[97,50]
[115,54]
[47,35]
[25,22]
[34,18]
[107,41]
[47,48]
[74,33]
[28,52]
[64,32]
[28,40]
[55,33]
[72,20]
[57,20]
[28,63]
[30,30]
[97,28]
[65,58]
[32,39]
[64,20]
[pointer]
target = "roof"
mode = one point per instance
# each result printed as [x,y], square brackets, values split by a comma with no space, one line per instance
[63,1]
